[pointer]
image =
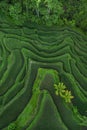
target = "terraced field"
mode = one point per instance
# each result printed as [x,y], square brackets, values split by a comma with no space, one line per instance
[32,60]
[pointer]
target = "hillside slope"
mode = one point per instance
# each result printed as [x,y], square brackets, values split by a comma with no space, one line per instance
[32,60]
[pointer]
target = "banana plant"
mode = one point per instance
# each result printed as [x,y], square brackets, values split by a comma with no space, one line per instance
[59,89]
[68,96]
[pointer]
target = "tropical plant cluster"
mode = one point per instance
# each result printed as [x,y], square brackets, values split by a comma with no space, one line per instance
[47,12]
[60,90]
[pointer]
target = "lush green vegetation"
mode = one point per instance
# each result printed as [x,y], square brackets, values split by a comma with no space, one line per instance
[48,12]
[32,59]
[43,65]
[61,90]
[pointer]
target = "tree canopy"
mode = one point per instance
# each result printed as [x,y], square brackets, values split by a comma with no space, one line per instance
[47,12]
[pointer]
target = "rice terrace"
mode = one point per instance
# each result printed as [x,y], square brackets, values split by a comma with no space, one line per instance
[43,65]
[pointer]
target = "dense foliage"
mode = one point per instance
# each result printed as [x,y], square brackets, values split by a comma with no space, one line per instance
[47,12]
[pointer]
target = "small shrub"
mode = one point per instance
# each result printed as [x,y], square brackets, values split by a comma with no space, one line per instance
[12,126]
